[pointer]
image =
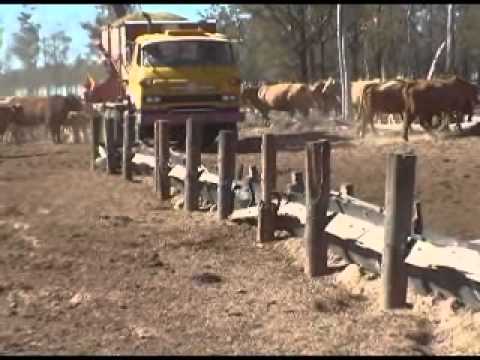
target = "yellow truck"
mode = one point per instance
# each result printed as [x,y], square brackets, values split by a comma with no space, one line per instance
[171,70]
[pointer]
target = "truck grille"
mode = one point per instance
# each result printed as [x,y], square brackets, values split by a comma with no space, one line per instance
[190,98]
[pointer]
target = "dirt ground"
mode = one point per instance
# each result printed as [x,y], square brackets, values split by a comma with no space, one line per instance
[90,264]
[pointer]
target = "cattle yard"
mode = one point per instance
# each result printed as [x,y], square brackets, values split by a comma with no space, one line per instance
[87,268]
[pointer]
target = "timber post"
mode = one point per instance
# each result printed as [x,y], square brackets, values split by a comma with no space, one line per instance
[317,173]
[108,122]
[226,167]
[95,127]
[193,153]
[127,147]
[399,193]
[162,157]
[266,213]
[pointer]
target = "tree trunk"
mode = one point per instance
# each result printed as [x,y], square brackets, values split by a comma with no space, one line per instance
[435,60]
[346,72]
[378,59]
[322,60]
[478,74]
[450,60]
[430,35]
[379,44]
[409,40]
[311,57]
[383,70]
[304,47]
[365,60]
[340,57]
[354,51]
[466,65]
[312,72]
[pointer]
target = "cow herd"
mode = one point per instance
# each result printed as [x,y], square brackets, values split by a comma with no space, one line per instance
[55,113]
[448,99]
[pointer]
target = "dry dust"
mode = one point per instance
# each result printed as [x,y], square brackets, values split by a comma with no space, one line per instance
[90,264]
[447,327]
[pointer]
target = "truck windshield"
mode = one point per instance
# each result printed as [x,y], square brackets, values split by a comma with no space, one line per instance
[187,53]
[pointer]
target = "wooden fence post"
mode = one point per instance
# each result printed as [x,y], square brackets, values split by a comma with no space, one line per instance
[109,146]
[253,173]
[193,153]
[226,167]
[162,156]
[95,127]
[399,191]
[266,215]
[127,147]
[317,173]
[239,172]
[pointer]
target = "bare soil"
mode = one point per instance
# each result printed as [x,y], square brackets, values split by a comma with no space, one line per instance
[90,264]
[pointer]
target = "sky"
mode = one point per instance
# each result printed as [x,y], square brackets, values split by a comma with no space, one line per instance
[69,16]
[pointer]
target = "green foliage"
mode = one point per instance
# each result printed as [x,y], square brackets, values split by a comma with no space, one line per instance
[26,42]
[105,15]
[55,48]
[277,42]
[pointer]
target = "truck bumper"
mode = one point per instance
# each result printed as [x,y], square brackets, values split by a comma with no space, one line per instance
[178,118]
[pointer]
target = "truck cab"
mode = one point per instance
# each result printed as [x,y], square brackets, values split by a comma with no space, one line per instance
[173,70]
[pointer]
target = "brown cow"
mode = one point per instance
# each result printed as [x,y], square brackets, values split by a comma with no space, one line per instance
[357,91]
[9,115]
[425,98]
[327,95]
[466,103]
[49,111]
[249,97]
[380,98]
[289,97]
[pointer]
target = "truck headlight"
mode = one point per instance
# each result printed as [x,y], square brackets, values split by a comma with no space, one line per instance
[147,82]
[229,98]
[153,99]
